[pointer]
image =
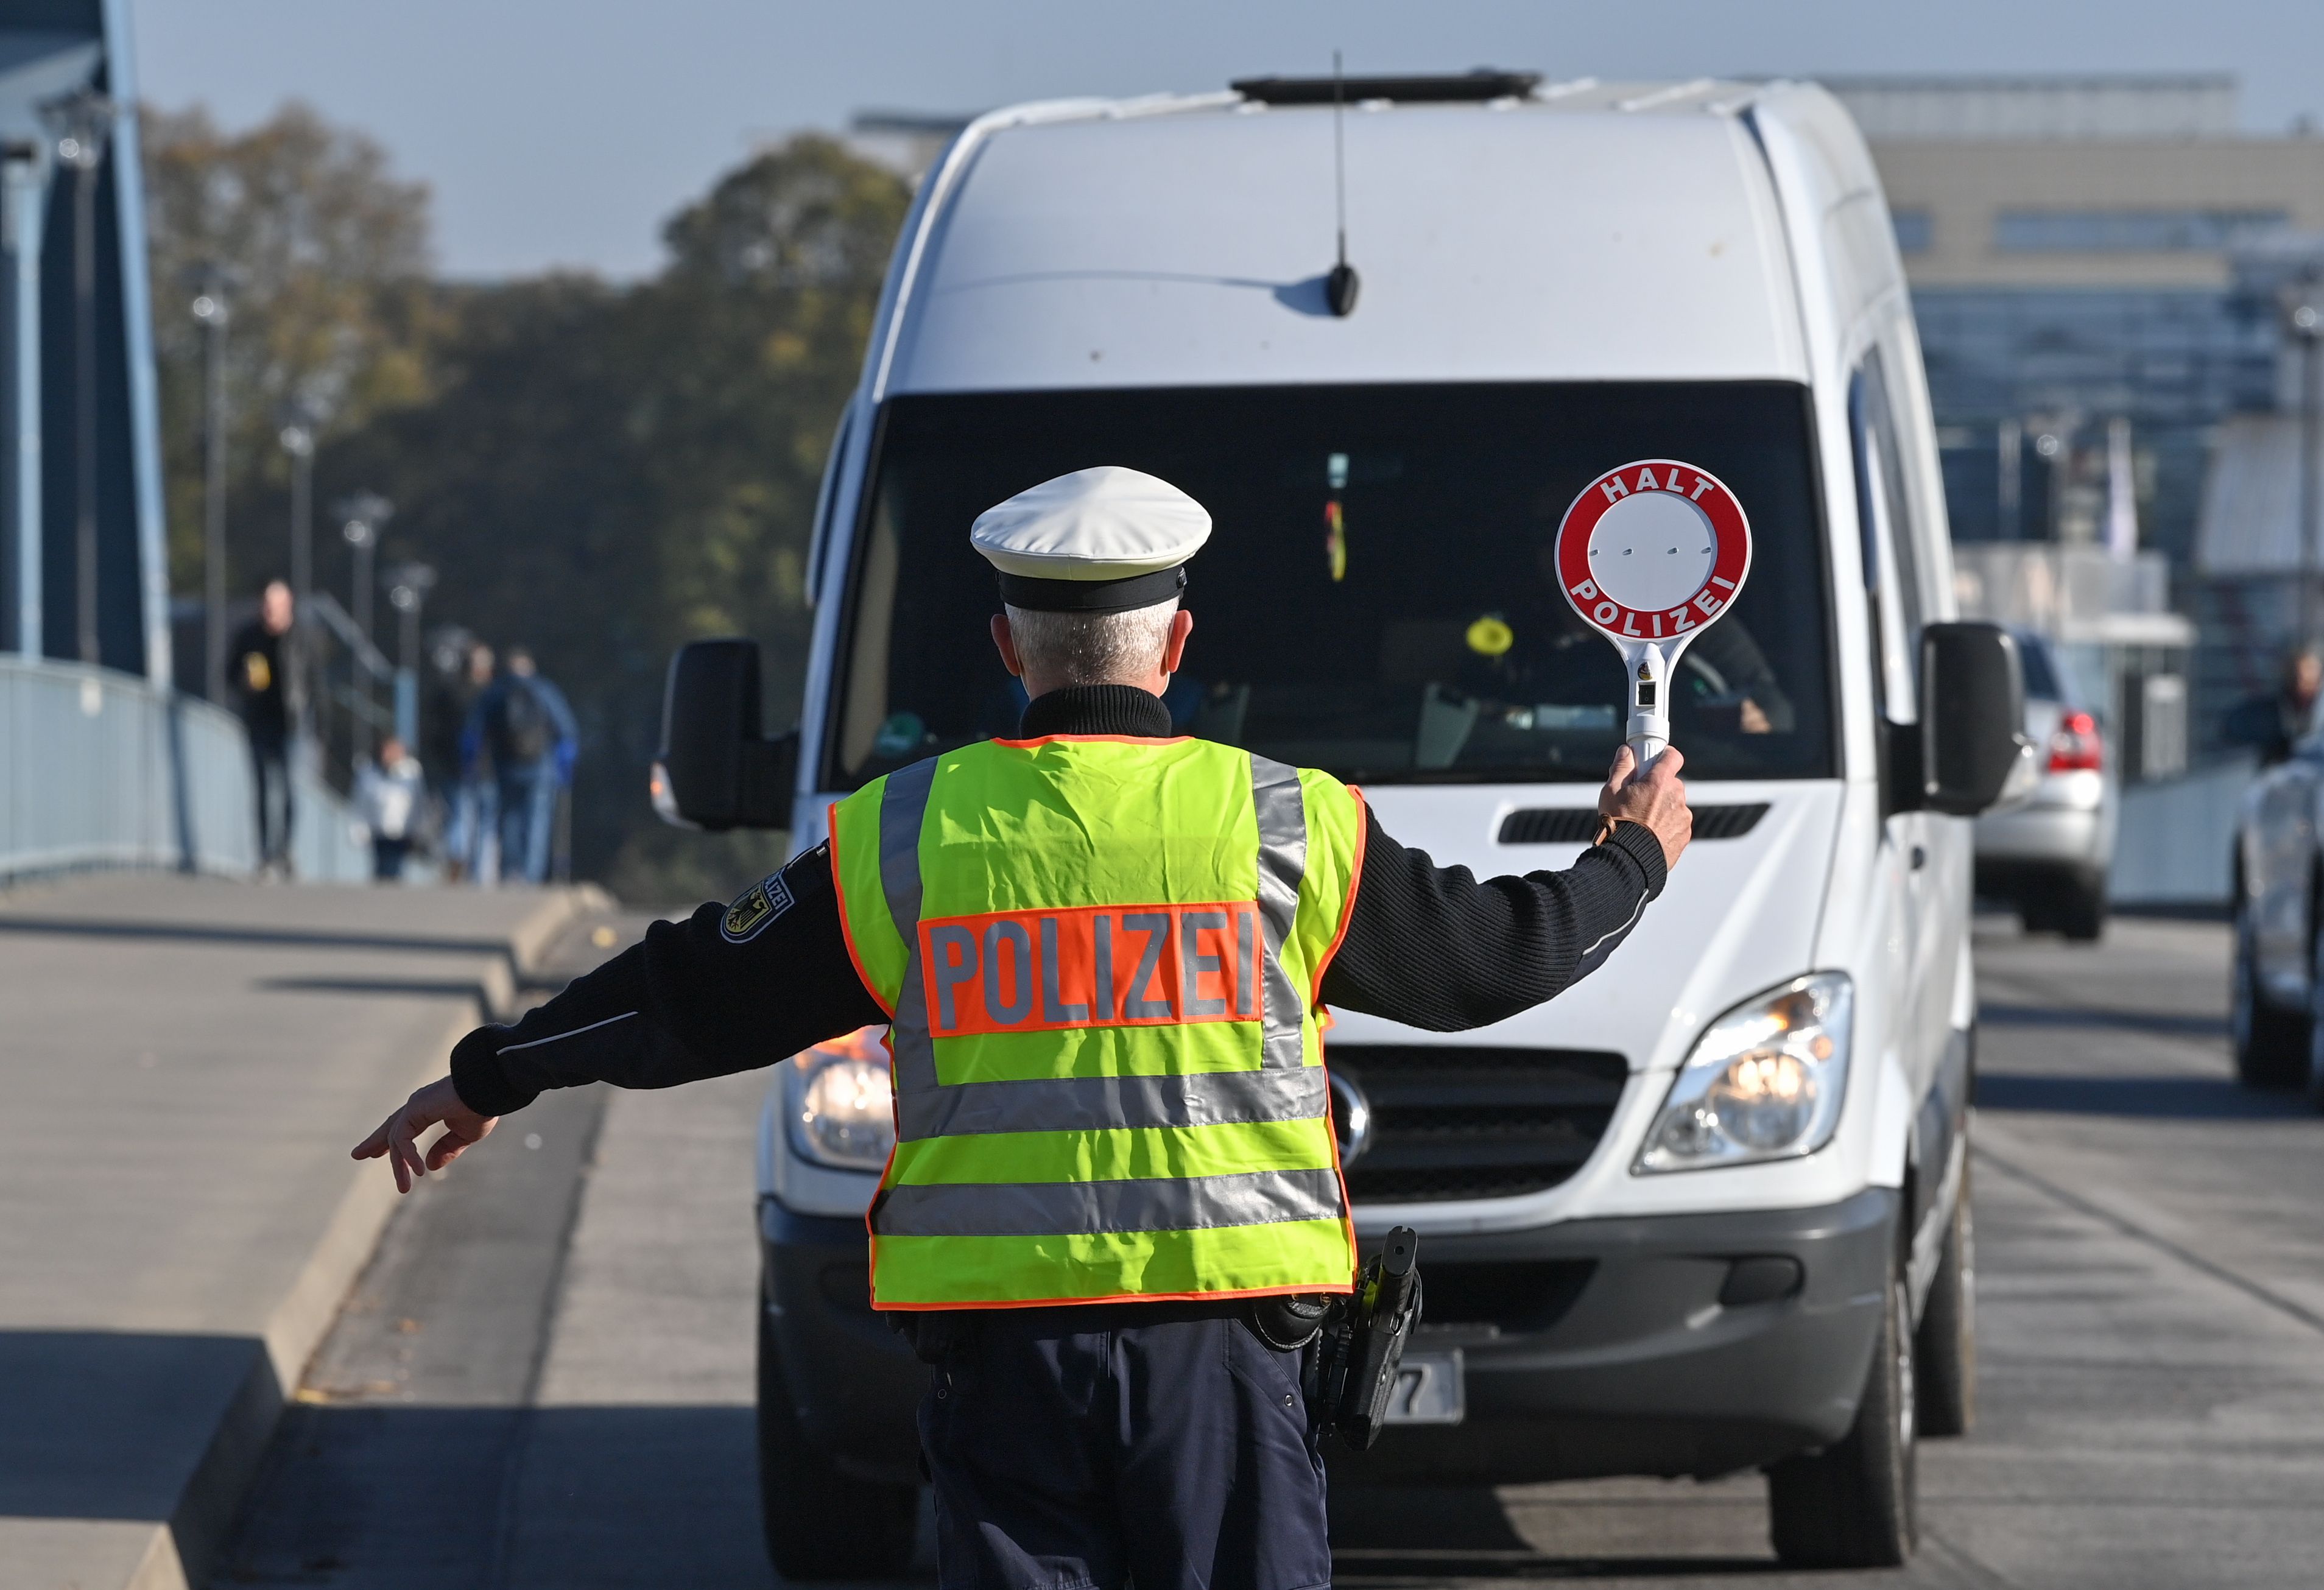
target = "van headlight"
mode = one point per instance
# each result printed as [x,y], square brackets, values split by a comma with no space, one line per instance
[842,1104]
[1764,1082]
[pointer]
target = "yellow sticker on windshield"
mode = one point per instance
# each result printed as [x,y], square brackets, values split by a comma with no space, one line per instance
[1490,636]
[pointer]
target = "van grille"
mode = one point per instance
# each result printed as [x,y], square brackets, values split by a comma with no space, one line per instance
[1574,825]
[1450,1122]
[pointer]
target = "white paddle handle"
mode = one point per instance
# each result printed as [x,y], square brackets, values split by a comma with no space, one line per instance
[1649,727]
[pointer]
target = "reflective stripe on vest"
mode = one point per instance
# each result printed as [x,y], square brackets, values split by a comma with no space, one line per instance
[1100,957]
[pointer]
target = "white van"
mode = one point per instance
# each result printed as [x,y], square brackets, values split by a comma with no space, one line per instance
[1634,1263]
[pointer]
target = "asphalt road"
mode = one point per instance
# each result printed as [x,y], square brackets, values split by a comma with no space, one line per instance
[544,1378]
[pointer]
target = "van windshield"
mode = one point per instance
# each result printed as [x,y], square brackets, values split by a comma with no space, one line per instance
[1377,597]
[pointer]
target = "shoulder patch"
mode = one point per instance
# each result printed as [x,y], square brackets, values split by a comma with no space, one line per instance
[757,907]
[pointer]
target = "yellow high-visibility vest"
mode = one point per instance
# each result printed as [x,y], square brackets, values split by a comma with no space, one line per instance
[1100,957]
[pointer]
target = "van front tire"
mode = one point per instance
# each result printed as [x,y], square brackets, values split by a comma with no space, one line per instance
[821,1524]
[1852,1504]
[1945,1346]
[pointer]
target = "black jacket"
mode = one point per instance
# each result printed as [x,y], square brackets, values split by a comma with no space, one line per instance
[259,663]
[1428,946]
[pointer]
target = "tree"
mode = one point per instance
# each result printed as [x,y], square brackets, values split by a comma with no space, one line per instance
[604,473]
[330,298]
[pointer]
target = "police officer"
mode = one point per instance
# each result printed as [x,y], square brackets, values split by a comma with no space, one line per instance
[1101,953]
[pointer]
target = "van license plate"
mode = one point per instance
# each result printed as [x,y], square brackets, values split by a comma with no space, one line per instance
[1429,1390]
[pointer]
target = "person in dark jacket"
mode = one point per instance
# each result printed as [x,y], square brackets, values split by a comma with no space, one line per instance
[262,666]
[464,672]
[522,722]
[2275,724]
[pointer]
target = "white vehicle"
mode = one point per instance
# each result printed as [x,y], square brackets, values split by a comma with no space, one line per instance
[1705,1212]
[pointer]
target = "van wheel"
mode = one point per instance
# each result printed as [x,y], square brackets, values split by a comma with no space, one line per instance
[1945,1346]
[2272,1046]
[1851,1505]
[820,1524]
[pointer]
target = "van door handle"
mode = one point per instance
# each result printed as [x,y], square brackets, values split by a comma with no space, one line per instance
[1920,857]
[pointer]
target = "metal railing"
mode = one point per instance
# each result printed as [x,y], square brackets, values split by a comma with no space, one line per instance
[98,769]
[349,676]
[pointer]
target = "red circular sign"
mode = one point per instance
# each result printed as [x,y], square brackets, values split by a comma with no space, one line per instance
[1652,550]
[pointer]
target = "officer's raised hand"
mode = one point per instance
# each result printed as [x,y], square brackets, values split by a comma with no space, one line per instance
[398,1137]
[1654,799]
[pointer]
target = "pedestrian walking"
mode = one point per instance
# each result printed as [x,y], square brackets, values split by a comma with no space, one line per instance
[2275,722]
[1102,953]
[263,671]
[522,723]
[470,805]
[389,792]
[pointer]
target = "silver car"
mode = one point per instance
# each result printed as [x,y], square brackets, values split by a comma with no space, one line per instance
[2049,856]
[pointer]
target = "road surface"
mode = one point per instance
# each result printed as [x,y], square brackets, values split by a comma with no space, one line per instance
[544,1380]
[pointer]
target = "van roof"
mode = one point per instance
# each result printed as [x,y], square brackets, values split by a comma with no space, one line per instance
[1581,231]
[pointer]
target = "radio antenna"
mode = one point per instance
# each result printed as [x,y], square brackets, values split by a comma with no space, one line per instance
[1340,286]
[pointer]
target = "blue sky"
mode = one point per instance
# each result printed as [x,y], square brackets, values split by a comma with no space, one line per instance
[561,132]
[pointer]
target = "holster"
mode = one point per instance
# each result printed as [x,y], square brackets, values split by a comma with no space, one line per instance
[1362,1347]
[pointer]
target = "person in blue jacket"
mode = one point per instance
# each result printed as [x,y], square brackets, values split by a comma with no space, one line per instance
[526,724]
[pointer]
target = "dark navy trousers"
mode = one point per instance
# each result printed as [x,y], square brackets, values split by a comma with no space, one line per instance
[1094,1446]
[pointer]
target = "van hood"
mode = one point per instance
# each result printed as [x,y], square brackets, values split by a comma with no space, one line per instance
[1735,916]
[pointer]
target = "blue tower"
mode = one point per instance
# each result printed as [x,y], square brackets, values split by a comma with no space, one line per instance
[83,570]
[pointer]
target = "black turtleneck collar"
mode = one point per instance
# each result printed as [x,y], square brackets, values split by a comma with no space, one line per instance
[1096,709]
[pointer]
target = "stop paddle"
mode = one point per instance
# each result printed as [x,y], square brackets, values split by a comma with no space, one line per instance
[1650,554]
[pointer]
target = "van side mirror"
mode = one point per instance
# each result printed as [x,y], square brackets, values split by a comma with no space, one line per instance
[1972,716]
[718,768]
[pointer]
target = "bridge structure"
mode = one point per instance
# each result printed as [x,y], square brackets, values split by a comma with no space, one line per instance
[103,761]
[188,1054]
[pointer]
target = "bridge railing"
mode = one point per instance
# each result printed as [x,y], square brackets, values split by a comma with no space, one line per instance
[98,769]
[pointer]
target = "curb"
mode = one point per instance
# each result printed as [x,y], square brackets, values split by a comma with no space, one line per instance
[185,1550]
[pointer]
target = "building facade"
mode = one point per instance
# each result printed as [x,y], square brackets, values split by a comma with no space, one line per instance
[2074,249]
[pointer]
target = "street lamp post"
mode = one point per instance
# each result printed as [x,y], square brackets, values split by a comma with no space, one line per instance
[2303,320]
[361,517]
[297,439]
[408,588]
[80,123]
[211,309]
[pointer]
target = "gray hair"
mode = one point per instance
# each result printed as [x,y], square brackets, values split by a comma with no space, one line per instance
[1092,648]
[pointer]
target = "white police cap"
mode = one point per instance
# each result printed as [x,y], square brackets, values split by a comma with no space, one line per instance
[1097,540]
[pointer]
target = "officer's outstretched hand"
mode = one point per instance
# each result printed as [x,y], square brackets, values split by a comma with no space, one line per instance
[1655,798]
[398,1137]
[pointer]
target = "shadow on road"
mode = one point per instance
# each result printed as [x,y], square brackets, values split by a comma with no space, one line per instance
[416,988]
[2184,1098]
[383,1494]
[1430,1535]
[106,1424]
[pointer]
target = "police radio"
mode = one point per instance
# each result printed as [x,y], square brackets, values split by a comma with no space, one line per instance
[1649,554]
